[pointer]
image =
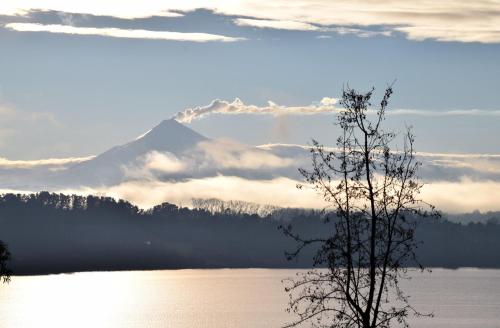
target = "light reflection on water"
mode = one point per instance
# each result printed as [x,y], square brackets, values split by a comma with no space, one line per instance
[246,298]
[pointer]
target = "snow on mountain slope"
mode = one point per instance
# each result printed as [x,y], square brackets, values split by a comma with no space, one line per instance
[169,137]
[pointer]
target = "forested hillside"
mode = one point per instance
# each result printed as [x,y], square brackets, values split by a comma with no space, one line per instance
[50,233]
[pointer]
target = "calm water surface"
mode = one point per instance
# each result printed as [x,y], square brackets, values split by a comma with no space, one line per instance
[248,298]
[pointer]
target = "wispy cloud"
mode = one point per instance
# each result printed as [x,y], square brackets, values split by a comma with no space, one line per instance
[120,33]
[28,164]
[456,112]
[302,26]
[277,24]
[113,8]
[362,33]
[442,20]
[326,105]
[477,33]
[435,168]
[227,154]
[307,148]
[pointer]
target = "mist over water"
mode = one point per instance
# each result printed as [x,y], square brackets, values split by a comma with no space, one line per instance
[236,298]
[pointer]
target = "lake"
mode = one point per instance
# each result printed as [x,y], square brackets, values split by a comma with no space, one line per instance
[226,298]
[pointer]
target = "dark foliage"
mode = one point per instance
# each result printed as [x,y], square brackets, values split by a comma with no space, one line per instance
[52,233]
[373,189]
[4,261]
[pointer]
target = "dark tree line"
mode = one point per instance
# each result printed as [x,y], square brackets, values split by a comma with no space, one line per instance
[50,233]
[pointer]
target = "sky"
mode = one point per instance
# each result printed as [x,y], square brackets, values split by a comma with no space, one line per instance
[79,77]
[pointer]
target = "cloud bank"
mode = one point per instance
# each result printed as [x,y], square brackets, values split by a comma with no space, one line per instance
[441,20]
[120,33]
[210,158]
[145,194]
[455,183]
[463,196]
[450,197]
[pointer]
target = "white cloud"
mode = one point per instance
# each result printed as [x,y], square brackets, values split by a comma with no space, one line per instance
[328,101]
[117,8]
[154,163]
[452,20]
[476,164]
[443,20]
[477,33]
[460,155]
[459,194]
[450,197]
[327,105]
[302,26]
[471,156]
[144,193]
[271,146]
[463,196]
[163,162]
[120,33]
[456,195]
[228,154]
[27,164]
[362,33]
[276,24]
[209,158]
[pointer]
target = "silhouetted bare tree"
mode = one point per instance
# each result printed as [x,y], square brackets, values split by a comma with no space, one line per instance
[374,192]
[4,258]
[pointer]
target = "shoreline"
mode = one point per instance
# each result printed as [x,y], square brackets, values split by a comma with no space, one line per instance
[227,268]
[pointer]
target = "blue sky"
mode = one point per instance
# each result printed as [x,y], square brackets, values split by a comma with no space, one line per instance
[67,94]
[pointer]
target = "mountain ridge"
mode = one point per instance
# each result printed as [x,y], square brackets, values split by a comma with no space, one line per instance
[107,168]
